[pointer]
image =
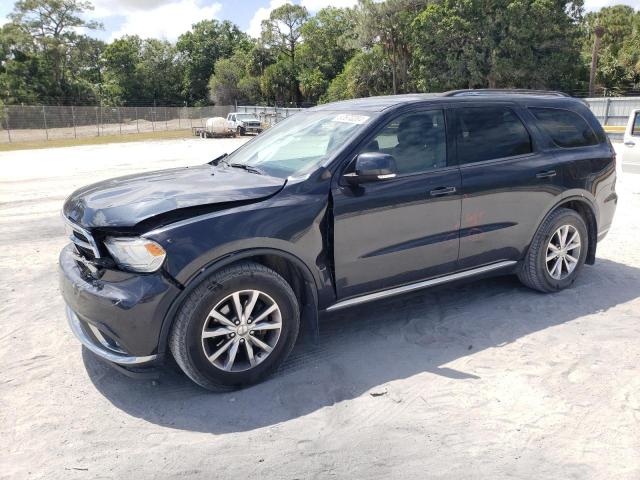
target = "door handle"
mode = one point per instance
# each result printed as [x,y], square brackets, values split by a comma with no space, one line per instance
[629,143]
[438,192]
[547,174]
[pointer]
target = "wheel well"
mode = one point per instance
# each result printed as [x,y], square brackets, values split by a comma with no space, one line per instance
[586,212]
[303,286]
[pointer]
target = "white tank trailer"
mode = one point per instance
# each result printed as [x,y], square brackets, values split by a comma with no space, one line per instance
[217,127]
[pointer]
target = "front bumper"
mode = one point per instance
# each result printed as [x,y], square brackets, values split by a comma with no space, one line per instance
[116,315]
[96,343]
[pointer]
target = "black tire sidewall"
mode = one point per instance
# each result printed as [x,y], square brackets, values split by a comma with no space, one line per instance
[567,218]
[215,293]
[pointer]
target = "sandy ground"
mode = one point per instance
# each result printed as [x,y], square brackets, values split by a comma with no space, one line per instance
[481,381]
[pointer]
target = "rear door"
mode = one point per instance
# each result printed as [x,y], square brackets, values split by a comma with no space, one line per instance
[508,182]
[403,229]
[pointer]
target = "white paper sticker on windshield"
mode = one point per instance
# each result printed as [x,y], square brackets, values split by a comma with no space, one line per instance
[351,118]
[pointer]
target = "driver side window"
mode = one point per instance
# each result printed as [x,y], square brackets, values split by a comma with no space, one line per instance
[417,141]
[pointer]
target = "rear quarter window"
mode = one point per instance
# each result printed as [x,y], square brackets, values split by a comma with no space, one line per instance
[567,129]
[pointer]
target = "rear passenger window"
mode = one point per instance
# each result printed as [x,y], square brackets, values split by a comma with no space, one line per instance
[485,133]
[635,129]
[567,129]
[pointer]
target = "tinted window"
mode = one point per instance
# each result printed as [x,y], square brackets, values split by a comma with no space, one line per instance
[485,133]
[416,140]
[635,129]
[567,129]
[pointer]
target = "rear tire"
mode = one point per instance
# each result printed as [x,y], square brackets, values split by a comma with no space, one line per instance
[557,252]
[220,349]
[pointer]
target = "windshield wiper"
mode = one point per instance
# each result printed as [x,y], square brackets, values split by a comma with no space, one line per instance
[219,159]
[248,168]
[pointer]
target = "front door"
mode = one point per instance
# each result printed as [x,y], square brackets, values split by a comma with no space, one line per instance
[400,230]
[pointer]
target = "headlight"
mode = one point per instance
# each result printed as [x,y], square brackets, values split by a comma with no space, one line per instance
[136,253]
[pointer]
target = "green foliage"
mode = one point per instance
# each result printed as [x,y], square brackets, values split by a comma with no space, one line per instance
[282,32]
[40,48]
[366,74]
[328,42]
[388,25]
[233,83]
[378,47]
[503,43]
[206,43]
[619,60]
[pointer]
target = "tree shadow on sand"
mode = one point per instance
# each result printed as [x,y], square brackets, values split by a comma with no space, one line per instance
[364,347]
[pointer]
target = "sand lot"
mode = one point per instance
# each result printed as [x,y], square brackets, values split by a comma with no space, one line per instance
[488,380]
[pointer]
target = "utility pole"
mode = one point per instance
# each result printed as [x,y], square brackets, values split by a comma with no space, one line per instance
[598,32]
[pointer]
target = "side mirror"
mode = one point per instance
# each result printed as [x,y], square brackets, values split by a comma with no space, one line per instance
[372,167]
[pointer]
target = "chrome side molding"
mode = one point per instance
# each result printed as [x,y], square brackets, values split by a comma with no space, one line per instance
[420,285]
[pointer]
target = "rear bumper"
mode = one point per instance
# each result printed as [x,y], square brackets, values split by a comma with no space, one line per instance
[116,315]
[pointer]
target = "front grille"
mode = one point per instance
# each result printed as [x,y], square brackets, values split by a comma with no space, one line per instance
[83,241]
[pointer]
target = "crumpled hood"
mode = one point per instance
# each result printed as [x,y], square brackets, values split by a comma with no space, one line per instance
[127,201]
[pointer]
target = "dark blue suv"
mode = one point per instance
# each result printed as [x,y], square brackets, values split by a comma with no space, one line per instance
[341,204]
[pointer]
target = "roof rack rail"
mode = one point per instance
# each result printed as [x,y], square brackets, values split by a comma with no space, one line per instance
[503,91]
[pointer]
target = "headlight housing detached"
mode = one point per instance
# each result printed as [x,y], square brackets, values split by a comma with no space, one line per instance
[136,253]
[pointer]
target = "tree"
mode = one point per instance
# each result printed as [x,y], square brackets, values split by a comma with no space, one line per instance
[618,63]
[53,25]
[366,74]
[275,82]
[502,43]
[388,24]
[160,71]
[232,83]
[121,79]
[200,48]
[283,33]
[328,45]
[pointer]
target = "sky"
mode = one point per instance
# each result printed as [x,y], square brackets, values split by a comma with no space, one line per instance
[167,19]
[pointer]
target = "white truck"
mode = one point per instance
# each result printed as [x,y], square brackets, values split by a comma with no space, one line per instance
[243,123]
[236,123]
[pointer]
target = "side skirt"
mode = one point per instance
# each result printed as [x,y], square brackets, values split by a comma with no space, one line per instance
[419,285]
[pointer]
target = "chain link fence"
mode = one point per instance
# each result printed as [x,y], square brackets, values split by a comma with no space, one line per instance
[22,123]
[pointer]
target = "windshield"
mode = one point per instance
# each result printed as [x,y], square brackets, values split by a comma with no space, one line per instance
[300,143]
[246,116]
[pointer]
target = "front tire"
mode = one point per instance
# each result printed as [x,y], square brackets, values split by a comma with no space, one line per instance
[236,327]
[557,252]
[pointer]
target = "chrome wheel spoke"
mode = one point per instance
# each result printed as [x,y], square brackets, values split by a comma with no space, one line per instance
[216,332]
[261,344]
[231,357]
[248,309]
[221,318]
[266,313]
[573,246]
[237,306]
[220,351]
[267,326]
[249,348]
[552,256]
[557,268]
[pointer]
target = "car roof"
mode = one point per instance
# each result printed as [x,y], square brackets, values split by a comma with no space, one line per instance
[378,104]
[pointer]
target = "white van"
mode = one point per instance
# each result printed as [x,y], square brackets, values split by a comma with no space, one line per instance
[630,151]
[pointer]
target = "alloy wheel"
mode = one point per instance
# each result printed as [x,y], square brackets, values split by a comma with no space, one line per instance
[563,252]
[242,330]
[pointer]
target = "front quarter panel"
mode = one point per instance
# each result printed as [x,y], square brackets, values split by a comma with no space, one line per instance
[293,221]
